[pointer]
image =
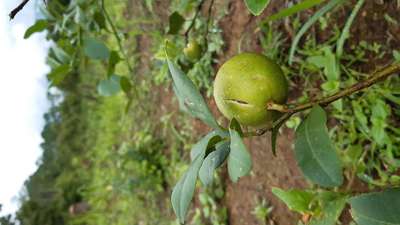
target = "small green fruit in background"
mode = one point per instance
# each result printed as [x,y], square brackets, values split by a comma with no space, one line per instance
[192,50]
[245,84]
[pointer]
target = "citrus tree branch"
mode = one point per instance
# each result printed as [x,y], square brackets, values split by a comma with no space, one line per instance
[119,41]
[198,9]
[16,10]
[115,32]
[289,110]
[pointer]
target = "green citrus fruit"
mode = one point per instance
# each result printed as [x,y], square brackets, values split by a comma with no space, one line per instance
[192,50]
[245,84]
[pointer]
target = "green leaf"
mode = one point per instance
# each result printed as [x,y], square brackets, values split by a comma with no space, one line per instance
[110,86]
[113,60]
[189,95]
[379,208]
[308,24]
[95,49]
[396,55]
[314,151]
[182,193]
[256,7]
[318,61]
[330,212]
[212,162]
[125,84]
[100,19]
[57,75]
[306,4]
[128,104]
[360,116]
[328,63]
[239,159]
[274,136]
[295,200]
[175,23]
[346,30]
[206,142]
[60,54]
[380,111]
[39,26]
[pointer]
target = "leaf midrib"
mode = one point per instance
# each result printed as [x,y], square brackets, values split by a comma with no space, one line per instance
[313,152]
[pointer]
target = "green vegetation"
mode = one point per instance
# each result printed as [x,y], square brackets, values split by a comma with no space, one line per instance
[117,141]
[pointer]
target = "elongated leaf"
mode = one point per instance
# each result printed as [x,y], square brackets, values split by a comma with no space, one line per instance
[201,146]
[175,23]
[295,200]
[60,54]
[330,212]
[256,7]
[39,26]
[95,49]
[125,84]
[306,4]
[113,60]
[189,95]
[100,20]
[346,30]
[239,159]
[314,151]
[58,74]
[110,86]
[308,24]
[379,208]
[182,193]
[212,162]
[274,136]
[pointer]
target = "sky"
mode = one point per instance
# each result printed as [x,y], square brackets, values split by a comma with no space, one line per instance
[23,101]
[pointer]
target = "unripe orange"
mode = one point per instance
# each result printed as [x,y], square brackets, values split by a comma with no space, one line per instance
[245,84]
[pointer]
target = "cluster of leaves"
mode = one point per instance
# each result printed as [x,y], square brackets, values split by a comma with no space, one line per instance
[73,27]
[204,31]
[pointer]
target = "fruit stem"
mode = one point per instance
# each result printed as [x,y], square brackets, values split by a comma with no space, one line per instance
[289,110]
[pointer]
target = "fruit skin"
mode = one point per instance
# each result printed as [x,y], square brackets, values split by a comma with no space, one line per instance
[192,50]
[245,84]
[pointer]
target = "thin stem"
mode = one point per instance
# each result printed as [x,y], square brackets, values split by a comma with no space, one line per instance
[289,110]
[115,32]
[209,17]
[198,9]
[208,23]
[119,41]
[16,10]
